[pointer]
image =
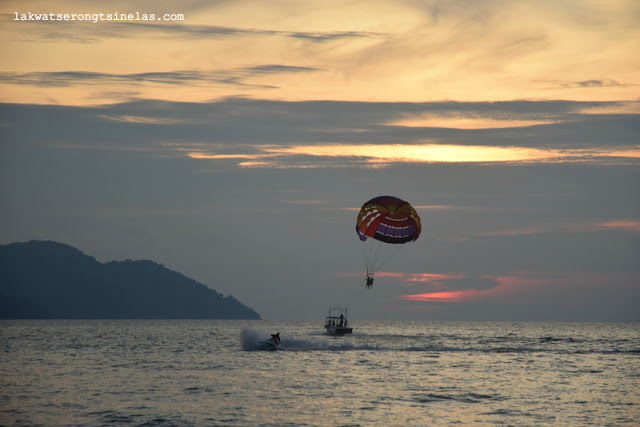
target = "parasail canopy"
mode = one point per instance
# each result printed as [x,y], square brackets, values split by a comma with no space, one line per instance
[388,219]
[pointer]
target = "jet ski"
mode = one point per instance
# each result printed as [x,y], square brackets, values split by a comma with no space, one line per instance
[272,343]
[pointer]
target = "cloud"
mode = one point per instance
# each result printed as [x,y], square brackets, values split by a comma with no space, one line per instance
[387,51]
[433,279]
[251,133]
[380,155]
[198,78]
[462,122]
[209,31]
[575,226]
[630,107]
[593,83]
[442,281]
[566,297]
[143,120]
[456,288]
[453,296]
[87,31]
[497,287]
[276,69]
[60,35]
[621,224]
[323,37]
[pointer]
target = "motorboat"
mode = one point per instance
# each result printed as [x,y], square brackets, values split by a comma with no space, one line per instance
[336,323]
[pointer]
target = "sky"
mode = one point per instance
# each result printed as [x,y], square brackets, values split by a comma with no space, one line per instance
[235,141]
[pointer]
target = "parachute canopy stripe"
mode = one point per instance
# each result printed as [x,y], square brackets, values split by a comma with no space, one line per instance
[388,219]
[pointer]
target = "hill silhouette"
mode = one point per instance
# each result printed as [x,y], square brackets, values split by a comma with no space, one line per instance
[44,279]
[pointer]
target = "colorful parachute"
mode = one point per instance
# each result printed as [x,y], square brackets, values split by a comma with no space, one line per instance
[388,221]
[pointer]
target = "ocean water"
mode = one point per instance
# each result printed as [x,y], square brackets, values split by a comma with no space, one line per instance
[215,373]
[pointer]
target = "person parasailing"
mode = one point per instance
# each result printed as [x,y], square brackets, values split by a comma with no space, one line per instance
[383,224]
[369,280]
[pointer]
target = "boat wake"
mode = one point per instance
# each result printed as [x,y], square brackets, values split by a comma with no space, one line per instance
[253,340]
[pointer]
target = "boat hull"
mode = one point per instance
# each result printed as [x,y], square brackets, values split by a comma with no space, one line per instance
[338,330]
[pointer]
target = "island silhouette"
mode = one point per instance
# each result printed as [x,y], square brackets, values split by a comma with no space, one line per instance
[51,280]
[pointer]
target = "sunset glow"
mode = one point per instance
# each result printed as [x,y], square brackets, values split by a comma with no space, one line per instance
[427,153]
[421,277]
[507,285]
[381,51]
[419,153]
[464,122]
[225,156]
[454,296]
[623,225]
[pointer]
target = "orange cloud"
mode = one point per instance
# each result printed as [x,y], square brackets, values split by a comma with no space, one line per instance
[421,277]
[454,296]
[419,153]
[624,225]
[378,155]
[506,285]
[463,122]
[222,156]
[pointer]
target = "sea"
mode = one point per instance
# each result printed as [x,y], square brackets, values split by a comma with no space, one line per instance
[387,373]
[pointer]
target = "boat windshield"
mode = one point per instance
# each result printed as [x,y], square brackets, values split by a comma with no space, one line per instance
[335,321]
